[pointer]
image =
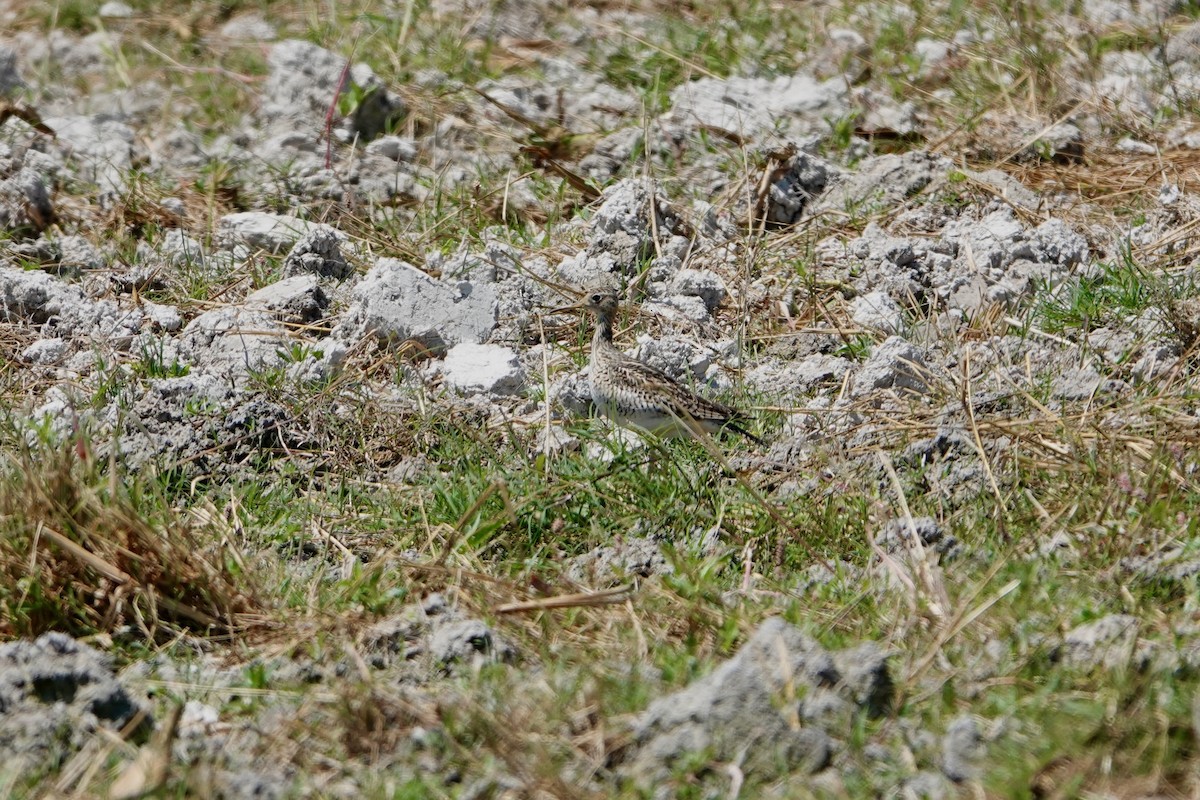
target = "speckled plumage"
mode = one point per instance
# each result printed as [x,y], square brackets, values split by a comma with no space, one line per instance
[637,395]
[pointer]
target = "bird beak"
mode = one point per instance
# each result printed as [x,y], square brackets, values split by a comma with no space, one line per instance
[565,309]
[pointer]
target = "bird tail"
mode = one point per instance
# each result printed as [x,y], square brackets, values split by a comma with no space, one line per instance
[738,429]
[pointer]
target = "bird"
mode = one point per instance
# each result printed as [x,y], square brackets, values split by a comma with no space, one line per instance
[639,396]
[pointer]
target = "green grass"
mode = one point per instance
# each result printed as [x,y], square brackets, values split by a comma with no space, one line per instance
[1114,294]
[305,538]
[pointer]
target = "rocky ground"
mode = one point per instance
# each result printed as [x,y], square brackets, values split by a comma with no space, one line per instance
[302,494]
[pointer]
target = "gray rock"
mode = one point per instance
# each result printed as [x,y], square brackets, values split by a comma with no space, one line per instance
[25,204]
[10,75]
[76,253]
[273,233]
[625,558]
[996,241]
[1062,143]
[114,9]
[612,153]
[702,283]
[895,364]
[883,182]
[896,537]
[1135,146]
[793,187]
[795,378]
[249,784]
[1008,187]
[681,359]
[249,27]
[927,785]
[932,53]
[401,636]
[864,676]
[555,440]
[397,302]
[163,317]
[45,352]
[742,712]
[1108,642]
[621,229]
[487,368]
[877,310]
[303,79]
[234,342]
[55,693]
[586,269]
[1077,384]
[962,750]
[572,393]
[880,113]
[61,309]
[297,300]
[1184,45]
[318,252]
[678,306]
[174,207]
[178,249]
[1055,242]
[1174,564]
[1149,14]
[198,425]
[98,147]
[620,441]
[75,56]
[758,109]
[396,148]
[467,640]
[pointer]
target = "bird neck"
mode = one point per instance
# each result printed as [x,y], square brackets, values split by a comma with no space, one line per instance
[603,337]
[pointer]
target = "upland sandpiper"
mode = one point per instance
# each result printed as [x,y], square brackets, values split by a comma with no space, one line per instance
[639,396]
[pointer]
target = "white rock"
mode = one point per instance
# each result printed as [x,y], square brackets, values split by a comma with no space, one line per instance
[164,317]
[1130,145]
[114,9]
[234,342]
[932,51]
[275,233]
[249,28]
[10,76]
[45,352]
[298,299]
[621,440]
[556,440]
[895,364]
[877,310]
[102,148]
[474,368]
[396,148]
[702,283]
[395,301]
[754,108]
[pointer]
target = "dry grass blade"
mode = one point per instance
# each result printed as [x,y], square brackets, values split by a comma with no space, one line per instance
[148,771]
[581,599]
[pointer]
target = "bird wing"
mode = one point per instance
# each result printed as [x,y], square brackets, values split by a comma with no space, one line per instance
[676,399]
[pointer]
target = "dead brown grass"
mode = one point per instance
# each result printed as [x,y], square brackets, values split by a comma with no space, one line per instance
[85,558]
[1109,178]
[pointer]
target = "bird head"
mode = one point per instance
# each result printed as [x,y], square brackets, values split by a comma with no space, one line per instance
[601,301]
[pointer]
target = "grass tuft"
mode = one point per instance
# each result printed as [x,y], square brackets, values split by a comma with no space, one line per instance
[89,556]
